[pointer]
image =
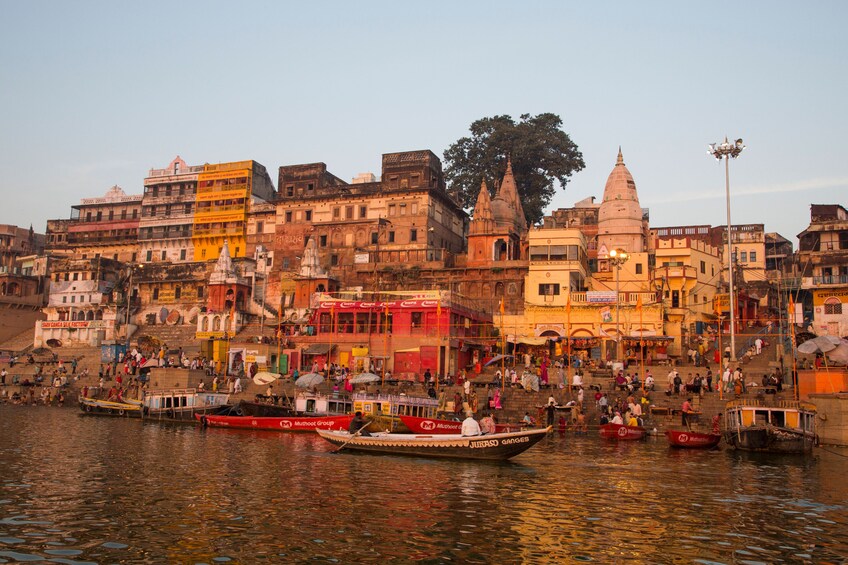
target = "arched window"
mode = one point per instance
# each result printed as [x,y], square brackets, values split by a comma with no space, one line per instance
[89,315]
[216,324]
[98,315]
[204,324]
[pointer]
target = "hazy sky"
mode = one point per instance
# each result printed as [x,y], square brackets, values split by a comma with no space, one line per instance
[96,93]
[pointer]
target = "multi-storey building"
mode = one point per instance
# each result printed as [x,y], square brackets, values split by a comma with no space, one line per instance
[167,213]
[584,216]
[823,263]
[81,306]
[18,284]
[100,227]
[222,202]
[376,235]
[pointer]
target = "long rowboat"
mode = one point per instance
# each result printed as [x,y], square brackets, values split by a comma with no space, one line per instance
[491,447]
[692,440]
[438,426]
[622,432]
[278,424]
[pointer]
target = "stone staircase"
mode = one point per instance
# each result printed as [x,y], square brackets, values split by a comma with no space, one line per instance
[19,344]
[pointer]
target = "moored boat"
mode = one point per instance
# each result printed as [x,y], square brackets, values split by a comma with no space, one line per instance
[782,427]
[179,405]
[493,447]
[97,407]
[419,425]
[621,432]
[692,440]
[279,424]
[384,410]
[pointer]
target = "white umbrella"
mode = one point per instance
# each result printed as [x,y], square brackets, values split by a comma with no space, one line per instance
[362,378]
[309,380]
[820,344]
[263,378]
[840,354]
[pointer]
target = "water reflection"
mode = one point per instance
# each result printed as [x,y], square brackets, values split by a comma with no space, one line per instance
[78,490]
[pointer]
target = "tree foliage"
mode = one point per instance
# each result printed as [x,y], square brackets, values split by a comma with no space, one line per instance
[540,150]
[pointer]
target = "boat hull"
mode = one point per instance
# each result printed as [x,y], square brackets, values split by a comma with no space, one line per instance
[278,424]
[494,447]
[94,407]
[692,440]
[437,426]
[622,432]
[771,439]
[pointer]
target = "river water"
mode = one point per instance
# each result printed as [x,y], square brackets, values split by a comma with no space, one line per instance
[79,489]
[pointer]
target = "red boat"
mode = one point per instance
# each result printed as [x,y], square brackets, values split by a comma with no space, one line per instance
[437,426]
[622,432]
[694,440]
[278,424]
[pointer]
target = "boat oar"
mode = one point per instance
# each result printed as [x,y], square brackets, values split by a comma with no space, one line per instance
[359,431]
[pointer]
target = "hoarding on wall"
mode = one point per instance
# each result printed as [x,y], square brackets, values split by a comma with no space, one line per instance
[78,324]
[721,303]
[606,315]
[820,297]
[601,296]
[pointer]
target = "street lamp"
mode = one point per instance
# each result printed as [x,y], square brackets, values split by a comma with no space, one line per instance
[617,258]
[725,151]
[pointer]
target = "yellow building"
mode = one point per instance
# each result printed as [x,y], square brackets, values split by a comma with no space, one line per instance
[687,273]
[223,195]
[560,315]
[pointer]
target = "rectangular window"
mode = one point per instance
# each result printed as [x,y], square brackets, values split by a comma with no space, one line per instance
[124,214]
[416,319]
[187,209]
[743,256]
[182,254]
[73,299]
[392,210]
[164,255]
[753,256]
[111,215]
[551,289]
[65,299]
[155,294]
[348,212]
[76,276]
[363,211]
[200,292]
[413,235]
[178,291]
[310,187]
[202,254]
[322,241]
[391,237]
[638,268]
[374,239]
[334,260]
[260,227]
[149,255]
[414,208]
[403,209]
[288,216]
[290,190]
[337,213]
[703,267]
[308,215]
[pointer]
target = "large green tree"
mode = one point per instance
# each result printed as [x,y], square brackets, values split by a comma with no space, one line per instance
[540,150]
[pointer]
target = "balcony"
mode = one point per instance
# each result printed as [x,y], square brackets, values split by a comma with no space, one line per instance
[831,280]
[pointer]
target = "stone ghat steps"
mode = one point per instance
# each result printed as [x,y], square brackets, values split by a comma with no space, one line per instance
[18,344]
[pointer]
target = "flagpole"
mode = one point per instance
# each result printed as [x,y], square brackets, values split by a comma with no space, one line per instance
[503,349]
[438,339]
[568,340]
[641,343]
[791,320]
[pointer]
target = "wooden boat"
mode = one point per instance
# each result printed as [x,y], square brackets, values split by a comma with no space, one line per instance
[440,426]
[384,410]
[693,440]
[493,447]
[277,424]
[621,432]
[781,427]
[97,407]
[169,405]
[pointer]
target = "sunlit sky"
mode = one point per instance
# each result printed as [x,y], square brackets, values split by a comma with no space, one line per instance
[95,94]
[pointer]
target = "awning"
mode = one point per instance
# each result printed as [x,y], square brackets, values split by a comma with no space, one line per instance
[527,340]
[319,349]
[410,350]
